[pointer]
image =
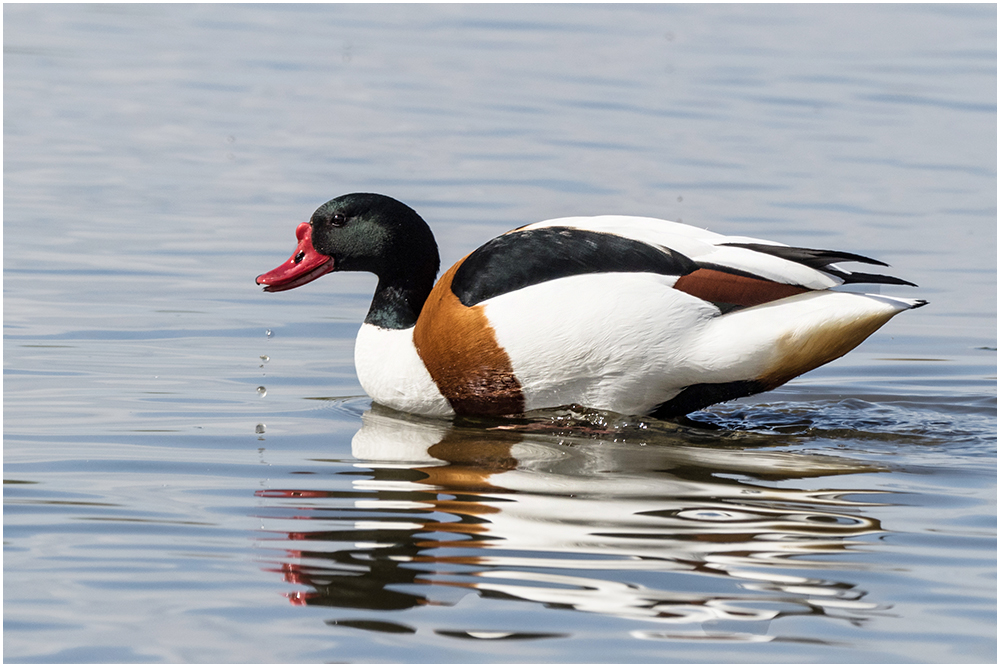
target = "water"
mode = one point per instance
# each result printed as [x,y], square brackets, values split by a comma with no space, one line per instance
[192,472]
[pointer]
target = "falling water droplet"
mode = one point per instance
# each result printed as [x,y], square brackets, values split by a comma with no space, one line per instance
[260,428]
[265,358]
[262,390]
[267,332]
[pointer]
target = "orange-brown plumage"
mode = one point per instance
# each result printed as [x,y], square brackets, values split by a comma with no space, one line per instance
[733,289]
[461,353]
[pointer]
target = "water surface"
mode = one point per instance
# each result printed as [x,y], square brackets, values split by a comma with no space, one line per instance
[192,472]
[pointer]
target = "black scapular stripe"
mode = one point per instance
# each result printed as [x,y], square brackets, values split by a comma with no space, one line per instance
[532,256]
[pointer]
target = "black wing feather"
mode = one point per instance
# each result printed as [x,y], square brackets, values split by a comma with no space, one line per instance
[822,259]
[527,257]
[811,257]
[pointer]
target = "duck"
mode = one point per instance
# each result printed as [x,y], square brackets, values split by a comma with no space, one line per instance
[628,314]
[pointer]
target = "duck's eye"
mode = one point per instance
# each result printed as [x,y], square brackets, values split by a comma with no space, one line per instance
[299,256]
[338,220]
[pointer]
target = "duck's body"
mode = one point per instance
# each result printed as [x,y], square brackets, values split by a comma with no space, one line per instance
[635,315]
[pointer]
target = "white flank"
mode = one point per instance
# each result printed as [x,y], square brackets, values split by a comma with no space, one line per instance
[613,340]
[628,342]
[392,373]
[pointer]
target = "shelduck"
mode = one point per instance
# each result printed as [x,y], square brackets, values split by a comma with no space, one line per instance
[629,314]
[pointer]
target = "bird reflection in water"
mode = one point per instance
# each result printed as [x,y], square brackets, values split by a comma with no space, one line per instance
[653,522]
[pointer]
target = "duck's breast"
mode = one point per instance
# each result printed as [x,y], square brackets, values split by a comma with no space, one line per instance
[393,374]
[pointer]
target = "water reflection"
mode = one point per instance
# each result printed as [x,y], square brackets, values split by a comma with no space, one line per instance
[648,522]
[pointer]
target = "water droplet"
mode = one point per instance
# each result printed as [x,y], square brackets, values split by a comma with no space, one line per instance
[260,428]
[267,332]
[265,358]
[262,390]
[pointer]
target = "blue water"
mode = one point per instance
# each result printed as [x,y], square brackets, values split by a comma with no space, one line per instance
[193,474]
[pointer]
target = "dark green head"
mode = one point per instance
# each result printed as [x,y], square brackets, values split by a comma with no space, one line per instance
[366,232]
[370,232]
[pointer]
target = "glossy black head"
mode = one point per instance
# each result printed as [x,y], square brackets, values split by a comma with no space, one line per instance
[370,232]
[366,232]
